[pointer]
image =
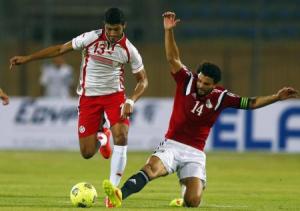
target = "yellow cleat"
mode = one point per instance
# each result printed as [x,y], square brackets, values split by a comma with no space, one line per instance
[176,203]
[113,193]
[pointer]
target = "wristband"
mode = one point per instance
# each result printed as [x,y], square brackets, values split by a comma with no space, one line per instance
[130,102]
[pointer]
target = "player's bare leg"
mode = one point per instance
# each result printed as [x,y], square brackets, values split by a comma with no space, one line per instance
[88,146]
[155,168]
[194,189]
[100,140]
[120,133]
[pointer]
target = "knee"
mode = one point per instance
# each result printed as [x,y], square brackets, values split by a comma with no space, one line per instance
[192,201]
[151,172]
[86,154]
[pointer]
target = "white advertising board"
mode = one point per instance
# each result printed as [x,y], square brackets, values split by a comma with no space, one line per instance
[43,123]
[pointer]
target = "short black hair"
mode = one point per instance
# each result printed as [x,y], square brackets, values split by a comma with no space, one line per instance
[211,70]
[114,16]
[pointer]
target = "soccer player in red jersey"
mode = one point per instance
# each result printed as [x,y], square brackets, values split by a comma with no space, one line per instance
[4,98]
[197,104]
[101,86]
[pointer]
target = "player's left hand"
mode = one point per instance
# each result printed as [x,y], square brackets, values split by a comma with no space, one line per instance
[4,97]
[287,93]
[126,110]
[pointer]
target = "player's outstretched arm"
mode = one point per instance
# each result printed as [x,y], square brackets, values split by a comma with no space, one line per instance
[172,52]
[49,52]
[282,94]
[4,97]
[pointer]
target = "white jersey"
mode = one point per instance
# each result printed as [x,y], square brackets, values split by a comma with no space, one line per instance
[102,66]
[57,80]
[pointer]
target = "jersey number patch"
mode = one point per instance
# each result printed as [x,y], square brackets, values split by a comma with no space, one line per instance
[197,108]
[100,48]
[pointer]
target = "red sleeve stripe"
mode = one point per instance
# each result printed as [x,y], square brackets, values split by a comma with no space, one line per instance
[84,73]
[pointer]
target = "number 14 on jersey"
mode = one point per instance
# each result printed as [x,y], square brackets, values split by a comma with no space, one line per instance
[197,108]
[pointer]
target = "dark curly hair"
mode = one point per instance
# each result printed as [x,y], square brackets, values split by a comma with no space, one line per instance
[211,70]
[114,16]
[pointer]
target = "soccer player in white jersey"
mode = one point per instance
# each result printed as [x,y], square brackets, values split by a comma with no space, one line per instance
[198,102]
[4,98]
[101,85]
[57,78]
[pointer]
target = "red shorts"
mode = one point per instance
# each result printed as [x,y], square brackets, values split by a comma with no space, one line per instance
[92,108]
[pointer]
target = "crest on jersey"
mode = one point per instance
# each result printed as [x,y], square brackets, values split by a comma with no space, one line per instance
[81,129]
[208,104]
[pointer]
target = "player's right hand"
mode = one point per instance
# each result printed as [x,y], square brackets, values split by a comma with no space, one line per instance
[287,93]
[170,20]
[126,111]
[18,60]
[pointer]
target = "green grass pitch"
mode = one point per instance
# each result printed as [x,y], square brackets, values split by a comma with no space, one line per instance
[31,180]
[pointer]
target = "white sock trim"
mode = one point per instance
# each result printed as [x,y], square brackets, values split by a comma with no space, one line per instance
[120,149]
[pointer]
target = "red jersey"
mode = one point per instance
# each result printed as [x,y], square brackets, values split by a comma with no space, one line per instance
[193,116]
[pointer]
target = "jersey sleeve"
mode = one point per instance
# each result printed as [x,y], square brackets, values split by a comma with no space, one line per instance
[135,61]
[182,75]
[83,40]
[234,101]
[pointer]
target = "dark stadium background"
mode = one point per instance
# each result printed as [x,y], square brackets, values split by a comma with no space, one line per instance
[257,43]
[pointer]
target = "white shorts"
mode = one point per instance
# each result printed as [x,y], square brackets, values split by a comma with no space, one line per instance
[187,161]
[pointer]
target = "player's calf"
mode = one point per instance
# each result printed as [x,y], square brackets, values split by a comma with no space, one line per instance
[120,134]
